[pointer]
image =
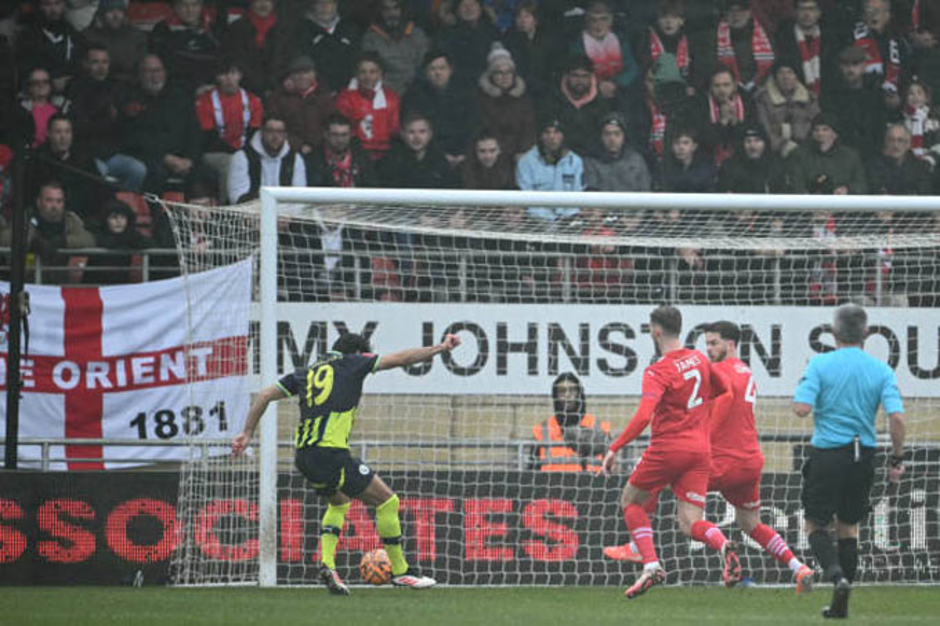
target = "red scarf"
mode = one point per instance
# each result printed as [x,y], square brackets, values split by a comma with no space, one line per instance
[205,21]
[809,55]
[915,16]
[874,64]
[657,128]
[722,152]
[341,167]
[262,26]
[760,45]
[682,51]
[917,118]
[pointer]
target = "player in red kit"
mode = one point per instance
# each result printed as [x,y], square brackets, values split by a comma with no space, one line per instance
[737,461]
[676,394]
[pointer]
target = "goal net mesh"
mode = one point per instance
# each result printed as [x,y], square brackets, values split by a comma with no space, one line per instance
[492,493]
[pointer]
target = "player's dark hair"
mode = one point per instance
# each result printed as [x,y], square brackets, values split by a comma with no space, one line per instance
[729,331]
[850,324]
[668,318]
[351,343]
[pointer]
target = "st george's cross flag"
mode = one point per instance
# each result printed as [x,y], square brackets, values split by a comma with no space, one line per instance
[158,361]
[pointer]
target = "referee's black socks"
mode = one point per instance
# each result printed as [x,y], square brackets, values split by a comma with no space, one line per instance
[848,557]
[821,543]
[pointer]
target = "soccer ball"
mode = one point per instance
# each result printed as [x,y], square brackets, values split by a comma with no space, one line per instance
[375,567]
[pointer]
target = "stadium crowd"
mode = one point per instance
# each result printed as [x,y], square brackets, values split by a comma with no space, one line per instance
[205,101]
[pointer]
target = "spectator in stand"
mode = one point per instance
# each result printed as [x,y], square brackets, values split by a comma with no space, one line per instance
[303,103]
[686,169]
[188,45]
[330,40]
[858,102]
[159,127]
[810,45]
[451,106]
[723,110]
[506,108]
[609,51]
[267,160]
[58,159]
[487,166]
[51,230]
[95,101]
[467,42]
[52,43]
[921,121]
[126,44]
[615,166]
[925,37]
[36,107]
[417,162]
[825,157]
[532,44]
[786,108]
[371,106]
[399,42]
[753,168]
[668,35]
[663,104]
[340,161]
[551,166]
[577,103]
[743,46]
[887,53]
[602,272]
[228,115]
[898,171]
[117,231]
[258,43]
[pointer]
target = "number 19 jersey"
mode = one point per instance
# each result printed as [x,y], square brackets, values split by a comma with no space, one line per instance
[682,382]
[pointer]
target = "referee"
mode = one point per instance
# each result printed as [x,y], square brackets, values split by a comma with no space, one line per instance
[842,389]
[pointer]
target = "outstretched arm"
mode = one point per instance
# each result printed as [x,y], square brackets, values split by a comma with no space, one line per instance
[260,403]
[417,355]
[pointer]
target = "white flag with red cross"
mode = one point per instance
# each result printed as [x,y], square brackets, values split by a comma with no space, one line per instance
[159,361]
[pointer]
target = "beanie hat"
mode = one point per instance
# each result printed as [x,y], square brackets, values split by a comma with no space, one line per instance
[498,54]
[666,70]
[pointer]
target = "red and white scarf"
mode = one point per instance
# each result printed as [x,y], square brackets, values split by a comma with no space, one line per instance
[810,57]
[657,129]
[714,111]
[341,167]
[916,119]
[874,64]
[682,51]
[760,45]
[605,54]
[232,135]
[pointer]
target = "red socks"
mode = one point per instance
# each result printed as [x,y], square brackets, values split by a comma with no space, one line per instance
[641,532]
[709,534]
[768,538]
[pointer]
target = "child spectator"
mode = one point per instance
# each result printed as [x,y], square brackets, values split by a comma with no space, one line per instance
[921,121]
[117,231]
[686,169]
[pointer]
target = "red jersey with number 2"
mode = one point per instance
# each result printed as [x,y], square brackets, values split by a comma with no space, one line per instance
[683,383]
[734,434]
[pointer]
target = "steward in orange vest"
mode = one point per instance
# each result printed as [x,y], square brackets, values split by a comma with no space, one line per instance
[586,440]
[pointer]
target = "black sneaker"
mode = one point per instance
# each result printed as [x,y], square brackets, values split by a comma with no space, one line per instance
[333,582]
[839,607]
[413,579]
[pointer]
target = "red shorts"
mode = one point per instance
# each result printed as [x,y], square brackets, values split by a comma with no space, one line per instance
[738,482]
[686,471]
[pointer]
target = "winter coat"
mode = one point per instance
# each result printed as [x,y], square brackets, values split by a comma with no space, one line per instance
[333,52]
[375,127]
[909,177]
[402,56]
[115,268]
[534,173]
[320,174]
[154,126]
[581,125]
[500,176]
[698,177]
[304,116]
[191,54]
[83,193]
[467,46]
[401,170]
[94,111]
[240,184]
[630,71]
[535,58]
[47,239]
[454,112]
[740,174]
[126,47]
[787,50]
[626,172]
[510,115]
[861,115]
[55,46]
[261,67]
[841,165]
[776,112]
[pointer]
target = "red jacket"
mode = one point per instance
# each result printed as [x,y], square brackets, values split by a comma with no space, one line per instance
[374,127]
[228,119]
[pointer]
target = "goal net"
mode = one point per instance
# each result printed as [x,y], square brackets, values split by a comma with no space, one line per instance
[493,492]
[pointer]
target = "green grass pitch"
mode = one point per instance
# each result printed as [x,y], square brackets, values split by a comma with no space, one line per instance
[75,606]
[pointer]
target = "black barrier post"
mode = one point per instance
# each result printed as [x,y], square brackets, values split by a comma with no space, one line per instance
[17,304]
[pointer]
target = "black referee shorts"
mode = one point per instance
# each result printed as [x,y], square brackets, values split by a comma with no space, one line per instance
[333,469]
[836,483]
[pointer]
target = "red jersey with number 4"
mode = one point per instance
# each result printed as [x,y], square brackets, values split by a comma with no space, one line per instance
[682,382]
[734,434]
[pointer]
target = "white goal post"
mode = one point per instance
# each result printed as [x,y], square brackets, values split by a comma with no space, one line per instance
[837,247]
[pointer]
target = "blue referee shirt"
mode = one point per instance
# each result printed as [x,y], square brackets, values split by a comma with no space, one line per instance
[845,387]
